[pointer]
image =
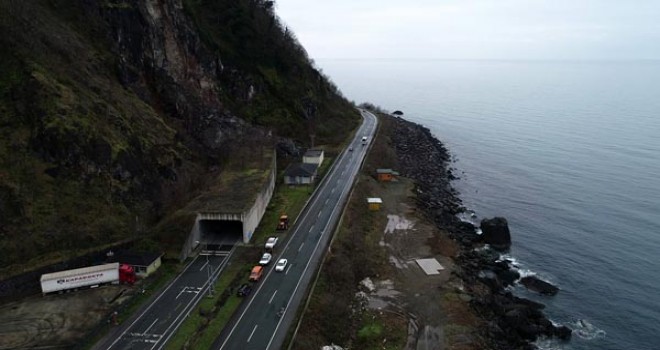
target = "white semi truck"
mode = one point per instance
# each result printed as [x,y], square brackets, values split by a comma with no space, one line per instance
[91,276]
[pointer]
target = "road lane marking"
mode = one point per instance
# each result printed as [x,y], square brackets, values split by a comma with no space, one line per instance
[311,229]
[299,249]
[326,201]
[271,298]
[181,292]
[148,328]
[203,266]
[251,334]
[333,190]
[287,269]
[319,215]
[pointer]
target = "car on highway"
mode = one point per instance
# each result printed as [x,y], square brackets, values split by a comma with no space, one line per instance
[281,265]
[244,290]
[270,243]
[350,149]
[265,259]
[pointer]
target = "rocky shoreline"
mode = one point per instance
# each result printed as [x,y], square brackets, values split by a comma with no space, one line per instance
[509,322]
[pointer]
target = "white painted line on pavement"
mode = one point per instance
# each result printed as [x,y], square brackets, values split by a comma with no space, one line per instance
[203,266]
[148,328]
[333,190]
[181,292]
[326,201]
[299,249]
[319,215]
[287,270]
[271,298]
[251,334]
[311,229]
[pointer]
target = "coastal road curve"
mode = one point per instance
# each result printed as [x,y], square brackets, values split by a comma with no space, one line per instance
[257,324]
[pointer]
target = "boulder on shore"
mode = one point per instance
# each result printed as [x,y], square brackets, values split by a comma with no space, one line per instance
[537,285]
[496,232]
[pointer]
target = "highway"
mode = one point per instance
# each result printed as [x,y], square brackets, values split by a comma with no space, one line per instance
[153,326]
[257,325]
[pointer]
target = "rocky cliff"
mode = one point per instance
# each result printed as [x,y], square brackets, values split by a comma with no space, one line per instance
[114,113]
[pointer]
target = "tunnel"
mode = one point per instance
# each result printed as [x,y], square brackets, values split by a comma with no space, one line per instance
[214,234]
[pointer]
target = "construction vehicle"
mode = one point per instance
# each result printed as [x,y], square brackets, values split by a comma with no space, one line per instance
[284,222]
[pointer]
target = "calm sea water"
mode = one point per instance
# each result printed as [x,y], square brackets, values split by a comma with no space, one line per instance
[569,153]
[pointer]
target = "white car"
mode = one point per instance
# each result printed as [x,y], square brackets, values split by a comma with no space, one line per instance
[281,265]
[270,243]
[265,259]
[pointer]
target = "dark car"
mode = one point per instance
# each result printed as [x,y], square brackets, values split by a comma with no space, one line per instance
[244,290]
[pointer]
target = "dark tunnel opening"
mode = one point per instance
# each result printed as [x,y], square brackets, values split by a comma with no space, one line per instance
[216,233]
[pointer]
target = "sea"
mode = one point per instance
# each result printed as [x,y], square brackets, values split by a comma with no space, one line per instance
[569,153]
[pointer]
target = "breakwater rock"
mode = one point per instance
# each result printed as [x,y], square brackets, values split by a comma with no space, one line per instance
[510,322]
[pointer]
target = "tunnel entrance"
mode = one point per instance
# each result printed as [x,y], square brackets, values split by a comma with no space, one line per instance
[218,234]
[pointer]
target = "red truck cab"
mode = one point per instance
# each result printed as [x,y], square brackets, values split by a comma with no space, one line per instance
[126,274]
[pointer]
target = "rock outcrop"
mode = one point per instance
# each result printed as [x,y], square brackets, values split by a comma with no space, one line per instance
[496,232]
[538,285]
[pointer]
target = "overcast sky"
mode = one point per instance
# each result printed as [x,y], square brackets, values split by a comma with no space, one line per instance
[476,29]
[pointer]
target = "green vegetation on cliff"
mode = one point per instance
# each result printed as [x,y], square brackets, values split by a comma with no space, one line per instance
[115,114]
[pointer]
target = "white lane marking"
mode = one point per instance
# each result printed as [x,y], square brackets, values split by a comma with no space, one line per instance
[251,334]
[181,292]
[342,173]
[273,297]
[311,229]
[319,215]
[299,249]
[326,201]
[203,266]
[333,190]
[148,328]
[287,269]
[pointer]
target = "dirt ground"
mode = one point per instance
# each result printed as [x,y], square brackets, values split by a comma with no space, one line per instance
[437,317]
[57,321]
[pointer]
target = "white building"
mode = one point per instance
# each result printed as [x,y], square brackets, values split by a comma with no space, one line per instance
[313,156]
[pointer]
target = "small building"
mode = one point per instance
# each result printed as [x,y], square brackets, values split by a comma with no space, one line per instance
[386,175]
[144,264]
[300,174]
[374,203]
[313,156]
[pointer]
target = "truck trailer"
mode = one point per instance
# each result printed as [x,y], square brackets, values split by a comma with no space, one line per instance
[91,276]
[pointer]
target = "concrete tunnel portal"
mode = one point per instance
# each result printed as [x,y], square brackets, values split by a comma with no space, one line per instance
[217,228]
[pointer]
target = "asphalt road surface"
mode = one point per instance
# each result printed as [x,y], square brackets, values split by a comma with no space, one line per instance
[153,326]
[258,323]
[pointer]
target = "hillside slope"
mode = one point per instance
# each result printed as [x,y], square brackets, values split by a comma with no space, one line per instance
[113,114]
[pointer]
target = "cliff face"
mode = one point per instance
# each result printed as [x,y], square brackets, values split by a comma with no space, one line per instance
[112,113]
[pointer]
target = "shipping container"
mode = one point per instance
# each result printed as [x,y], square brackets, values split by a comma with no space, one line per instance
[80,278]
